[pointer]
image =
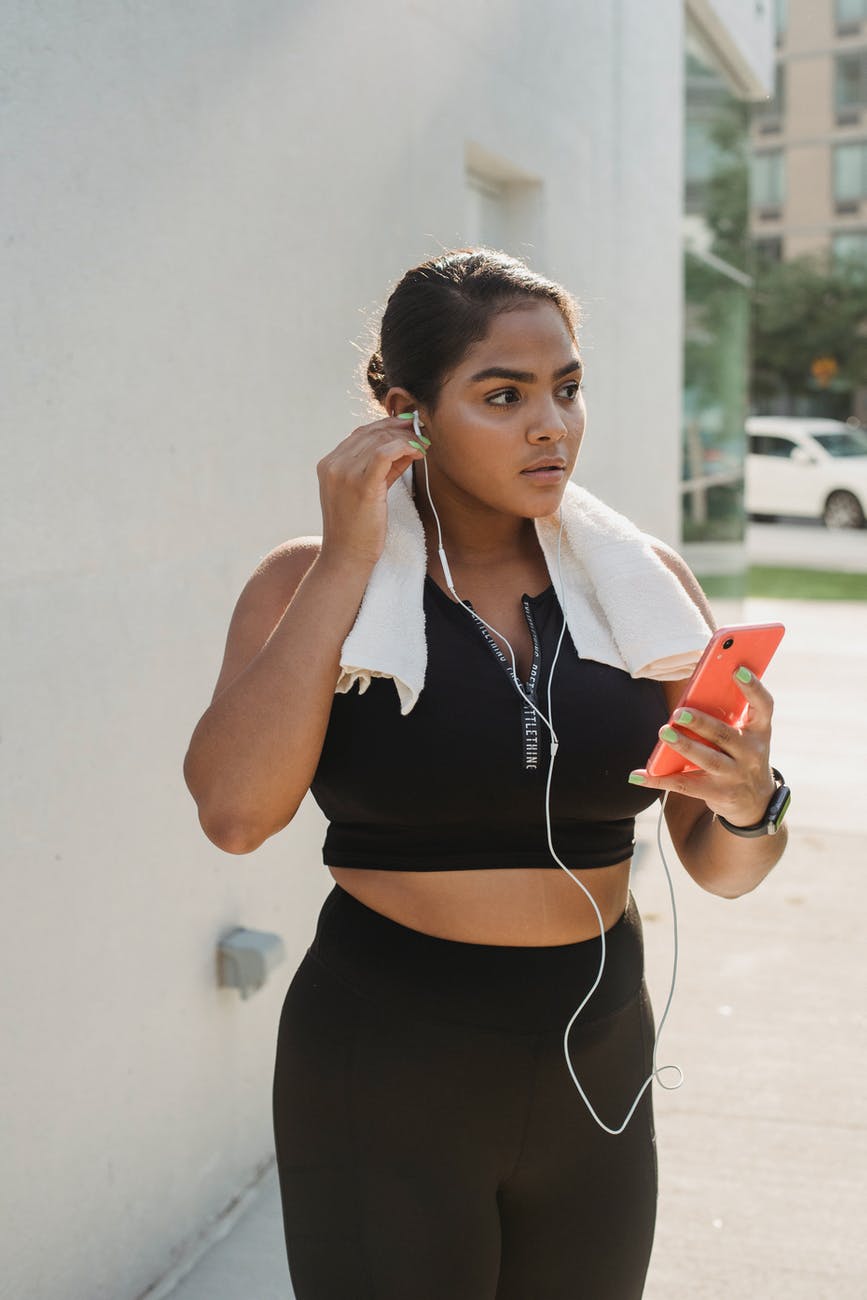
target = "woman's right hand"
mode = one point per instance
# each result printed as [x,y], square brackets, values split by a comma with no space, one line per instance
[354,480]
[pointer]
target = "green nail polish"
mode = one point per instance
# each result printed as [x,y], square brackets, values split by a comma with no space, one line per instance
[407,415]
[637,778]
[743,675]
[423,439]
[417,445]
[669,735]
[684,716]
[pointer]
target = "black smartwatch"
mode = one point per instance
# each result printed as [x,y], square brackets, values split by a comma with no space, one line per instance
[773,816]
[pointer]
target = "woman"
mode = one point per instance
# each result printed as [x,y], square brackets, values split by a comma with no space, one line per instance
[430,1141]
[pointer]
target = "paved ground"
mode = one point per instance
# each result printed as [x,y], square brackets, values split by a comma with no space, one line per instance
[763,1150]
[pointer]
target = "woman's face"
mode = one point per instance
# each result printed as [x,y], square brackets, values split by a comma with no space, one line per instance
[513,402]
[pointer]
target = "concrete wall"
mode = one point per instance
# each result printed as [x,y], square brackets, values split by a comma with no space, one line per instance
[202,201]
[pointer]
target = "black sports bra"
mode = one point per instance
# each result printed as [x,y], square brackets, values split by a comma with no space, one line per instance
[459,782]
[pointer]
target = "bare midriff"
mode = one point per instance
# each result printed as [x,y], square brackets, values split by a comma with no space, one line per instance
[514,907]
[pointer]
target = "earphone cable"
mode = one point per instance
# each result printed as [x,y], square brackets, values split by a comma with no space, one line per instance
[657,1070]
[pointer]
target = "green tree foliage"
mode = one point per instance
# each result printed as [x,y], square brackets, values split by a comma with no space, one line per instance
[803,309]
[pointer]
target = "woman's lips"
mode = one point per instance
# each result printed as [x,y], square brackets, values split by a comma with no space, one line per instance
[552,475]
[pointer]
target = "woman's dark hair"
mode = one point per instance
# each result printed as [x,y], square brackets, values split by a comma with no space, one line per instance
[442,307]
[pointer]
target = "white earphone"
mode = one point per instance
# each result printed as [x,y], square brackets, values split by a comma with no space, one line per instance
[657,1070]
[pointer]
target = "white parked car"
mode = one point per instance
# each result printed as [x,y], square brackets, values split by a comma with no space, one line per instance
[799,466]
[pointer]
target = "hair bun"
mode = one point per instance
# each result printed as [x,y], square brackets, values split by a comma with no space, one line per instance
[376,376]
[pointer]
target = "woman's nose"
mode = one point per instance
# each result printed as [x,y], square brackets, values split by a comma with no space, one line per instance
[547,425]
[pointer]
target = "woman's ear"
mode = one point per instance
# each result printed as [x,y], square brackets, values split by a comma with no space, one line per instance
[399,401]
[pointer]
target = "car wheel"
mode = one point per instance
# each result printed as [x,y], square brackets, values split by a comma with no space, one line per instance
[843,510]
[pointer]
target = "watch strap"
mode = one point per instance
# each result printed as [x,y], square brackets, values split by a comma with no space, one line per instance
[776,810]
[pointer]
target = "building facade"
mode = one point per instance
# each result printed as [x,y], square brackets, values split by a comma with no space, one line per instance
[809,141]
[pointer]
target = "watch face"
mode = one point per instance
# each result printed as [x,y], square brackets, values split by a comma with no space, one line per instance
[779,806]
[784,805]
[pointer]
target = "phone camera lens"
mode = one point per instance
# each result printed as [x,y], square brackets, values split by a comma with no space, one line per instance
[728,643]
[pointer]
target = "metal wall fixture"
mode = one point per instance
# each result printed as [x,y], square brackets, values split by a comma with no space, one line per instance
[245,958]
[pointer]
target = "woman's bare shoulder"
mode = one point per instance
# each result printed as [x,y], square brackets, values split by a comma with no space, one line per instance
[681,570]
[263,602]
[276,578]
[287,564]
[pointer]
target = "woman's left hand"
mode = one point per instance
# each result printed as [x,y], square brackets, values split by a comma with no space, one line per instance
[735,778]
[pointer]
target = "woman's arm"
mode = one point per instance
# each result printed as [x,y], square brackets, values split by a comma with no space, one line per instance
[255,750]
[737,782]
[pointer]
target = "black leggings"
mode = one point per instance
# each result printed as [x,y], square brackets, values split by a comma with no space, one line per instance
[430,1142]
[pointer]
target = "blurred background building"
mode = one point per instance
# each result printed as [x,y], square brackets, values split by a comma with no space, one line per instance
[809,181]
[808,192]
[204,209]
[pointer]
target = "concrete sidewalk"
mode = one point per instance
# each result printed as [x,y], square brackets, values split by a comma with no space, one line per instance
[762,1151]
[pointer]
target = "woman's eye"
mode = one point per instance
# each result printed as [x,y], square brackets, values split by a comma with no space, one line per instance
[572,389]
[505,398]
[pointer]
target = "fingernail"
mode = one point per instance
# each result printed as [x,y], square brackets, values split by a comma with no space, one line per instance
[417,445]
[637,778]
[669,735]
[407,415]
[743,675]
[683,715]
[423,439]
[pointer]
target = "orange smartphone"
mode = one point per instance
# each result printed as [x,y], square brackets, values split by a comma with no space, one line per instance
[712,688]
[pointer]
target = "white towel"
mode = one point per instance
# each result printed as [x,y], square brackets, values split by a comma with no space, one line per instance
[623,606]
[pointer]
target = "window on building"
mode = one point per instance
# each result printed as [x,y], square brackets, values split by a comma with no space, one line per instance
[705,157]
[502,205]
[850,81]
[767,179]
[716,152]
[850,171]
[851,246]
[781,19]
[717,255]
[851,11]
[486,216]
[768,250]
